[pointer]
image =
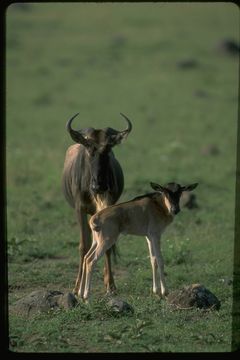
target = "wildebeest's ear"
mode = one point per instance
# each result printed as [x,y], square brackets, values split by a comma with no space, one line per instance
[76,135]
[117,139]
[189,187]
[157,187]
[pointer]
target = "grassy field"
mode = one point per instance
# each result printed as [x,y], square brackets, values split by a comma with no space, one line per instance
[162,65]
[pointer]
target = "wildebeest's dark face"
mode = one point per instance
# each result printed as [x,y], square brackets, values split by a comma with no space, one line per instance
[172,193]
[98,144]
[99,168]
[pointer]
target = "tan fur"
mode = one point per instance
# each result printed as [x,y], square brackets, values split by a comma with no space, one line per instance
[135,217]
[146,216]
[167,203]
[101,201]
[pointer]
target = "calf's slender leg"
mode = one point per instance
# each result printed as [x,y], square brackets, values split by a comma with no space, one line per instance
[108,276]
[84,244]
[93,257]
[83,277]
[156,287]
[90,263]
[160,263]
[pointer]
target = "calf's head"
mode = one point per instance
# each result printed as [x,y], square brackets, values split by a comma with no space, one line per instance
[171,194]
[98,144]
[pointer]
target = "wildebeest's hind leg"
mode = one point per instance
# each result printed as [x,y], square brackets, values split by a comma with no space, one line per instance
[84,244]
[108,276]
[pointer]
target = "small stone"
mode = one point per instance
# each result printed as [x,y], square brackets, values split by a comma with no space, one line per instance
[195,295]
[119,306]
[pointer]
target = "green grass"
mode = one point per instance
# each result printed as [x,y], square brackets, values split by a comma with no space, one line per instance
[100,60]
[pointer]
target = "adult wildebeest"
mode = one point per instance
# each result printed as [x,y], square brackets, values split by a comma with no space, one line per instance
[93,179]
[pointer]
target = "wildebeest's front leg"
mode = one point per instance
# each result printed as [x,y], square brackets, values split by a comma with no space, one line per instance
[108,276]
[84,244]
[154,240]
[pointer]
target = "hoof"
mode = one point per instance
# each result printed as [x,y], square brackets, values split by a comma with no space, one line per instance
[157,292]
[165,294]
[80,299]
[75,291]
[80,296]
[161,295]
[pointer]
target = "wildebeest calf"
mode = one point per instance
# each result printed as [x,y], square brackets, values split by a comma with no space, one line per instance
[146,215]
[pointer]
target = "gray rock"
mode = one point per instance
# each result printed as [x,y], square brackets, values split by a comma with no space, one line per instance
[42,301]
[195,295]
[67,301]
[119,306]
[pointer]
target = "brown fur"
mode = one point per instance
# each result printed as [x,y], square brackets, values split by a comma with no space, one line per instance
[146,211]
[148,216]
[93,179]
[145,216]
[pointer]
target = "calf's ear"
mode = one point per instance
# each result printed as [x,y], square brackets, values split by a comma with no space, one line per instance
[157,187]
[189,187]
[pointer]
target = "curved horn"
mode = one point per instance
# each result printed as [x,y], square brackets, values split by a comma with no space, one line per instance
[75,135]
[129,128]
